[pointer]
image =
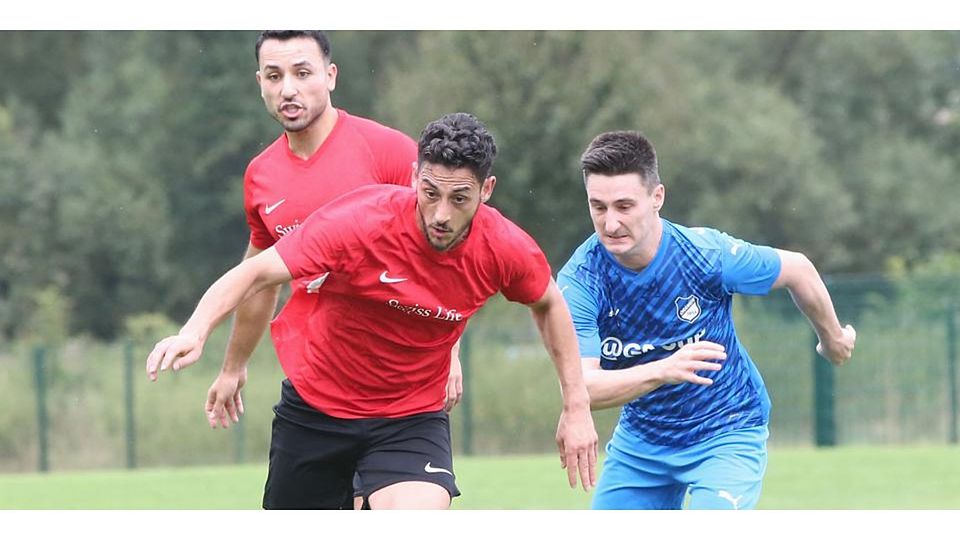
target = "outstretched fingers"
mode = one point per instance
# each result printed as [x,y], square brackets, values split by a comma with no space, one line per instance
[578,453]
[174,351]
[588,467]
[580,462]
[212,409]
[706,350]
[156,357]
[239,402]
[573,467]
[230,405]
[219,409]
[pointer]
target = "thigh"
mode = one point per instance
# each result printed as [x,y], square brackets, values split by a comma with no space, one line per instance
[358,500]
[731,476]
[410,495]
[631,481]
[312,458]
[412,449]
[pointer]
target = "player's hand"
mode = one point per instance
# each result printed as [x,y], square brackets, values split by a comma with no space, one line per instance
[577,441]
[839,350]
[224,403]
[683,365]
[454,385]
[177,351]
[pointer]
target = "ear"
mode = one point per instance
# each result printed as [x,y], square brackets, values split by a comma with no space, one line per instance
[413,174]
[659,194]
[486,190]
[331,77]
[259,83]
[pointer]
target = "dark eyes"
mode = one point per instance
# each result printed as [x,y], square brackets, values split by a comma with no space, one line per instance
[276,76]
[458,199]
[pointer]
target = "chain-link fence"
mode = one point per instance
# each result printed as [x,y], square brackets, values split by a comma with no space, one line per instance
[89,405]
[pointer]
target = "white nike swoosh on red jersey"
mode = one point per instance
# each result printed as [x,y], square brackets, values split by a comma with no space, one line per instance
[384,278]
[269,209]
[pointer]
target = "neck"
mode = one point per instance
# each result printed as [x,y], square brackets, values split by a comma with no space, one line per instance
[305,142]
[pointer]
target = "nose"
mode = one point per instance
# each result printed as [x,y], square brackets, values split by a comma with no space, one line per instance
[289,88]
[610,223]
[443,213]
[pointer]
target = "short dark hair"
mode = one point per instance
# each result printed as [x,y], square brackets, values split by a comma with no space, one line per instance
[458,140]
[283,35]
[621,152]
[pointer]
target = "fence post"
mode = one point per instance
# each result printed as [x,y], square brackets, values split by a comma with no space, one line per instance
[40,377]
[952,368]
[467,401]
[824,414]
[128,394]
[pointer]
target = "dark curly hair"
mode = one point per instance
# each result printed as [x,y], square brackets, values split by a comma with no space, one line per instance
[283,35]
[621,152]
[458,140]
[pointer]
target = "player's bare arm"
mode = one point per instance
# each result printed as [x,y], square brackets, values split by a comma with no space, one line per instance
[224,400]
[810,295]
[243,281]
[613,388]
[454,380]
[250,322]
[576,436]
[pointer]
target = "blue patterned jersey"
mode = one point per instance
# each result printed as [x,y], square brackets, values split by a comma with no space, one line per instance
[625,318]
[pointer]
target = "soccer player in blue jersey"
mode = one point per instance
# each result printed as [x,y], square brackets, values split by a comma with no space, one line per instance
[651,303]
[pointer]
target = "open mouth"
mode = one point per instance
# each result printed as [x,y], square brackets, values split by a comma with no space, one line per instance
[291,110]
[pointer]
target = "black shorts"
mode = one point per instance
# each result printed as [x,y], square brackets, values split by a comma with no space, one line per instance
[313,456]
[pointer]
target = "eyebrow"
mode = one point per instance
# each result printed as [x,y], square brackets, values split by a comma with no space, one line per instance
[301,63]
[618,201]
[433,184]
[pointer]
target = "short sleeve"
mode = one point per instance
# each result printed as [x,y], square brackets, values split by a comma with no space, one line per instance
[747,268]
[260,236]
[526,270]
[584,308]
[323,243]
[395,159]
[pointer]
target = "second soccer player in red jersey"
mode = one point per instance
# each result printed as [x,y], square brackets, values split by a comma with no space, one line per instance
[367,366]
[323,153]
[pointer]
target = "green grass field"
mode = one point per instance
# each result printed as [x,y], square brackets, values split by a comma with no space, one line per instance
[843,478]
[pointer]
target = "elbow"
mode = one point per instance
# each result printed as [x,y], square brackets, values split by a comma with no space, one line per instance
[796,269]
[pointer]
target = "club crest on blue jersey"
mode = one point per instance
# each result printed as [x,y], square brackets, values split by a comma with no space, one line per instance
[688,308]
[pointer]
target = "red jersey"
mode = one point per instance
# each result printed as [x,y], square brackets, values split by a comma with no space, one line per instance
[378,345]
[280,189]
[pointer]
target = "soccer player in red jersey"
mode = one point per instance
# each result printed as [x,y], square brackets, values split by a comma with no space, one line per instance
[402,271]
[323,153]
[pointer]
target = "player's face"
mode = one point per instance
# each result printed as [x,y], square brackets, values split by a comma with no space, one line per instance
[295,81]
[447,200]
[626,216]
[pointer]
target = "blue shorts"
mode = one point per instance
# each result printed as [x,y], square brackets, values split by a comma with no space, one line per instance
[721,473]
